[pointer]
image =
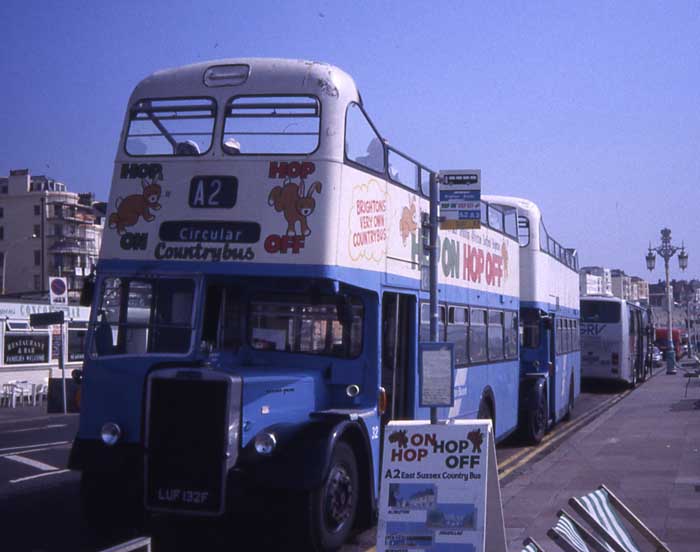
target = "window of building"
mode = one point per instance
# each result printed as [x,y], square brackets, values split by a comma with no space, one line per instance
[37,210]
[37,282]
[362,143]
[37,257]
[57,229]
[37,230]
[77,331]
[58,210]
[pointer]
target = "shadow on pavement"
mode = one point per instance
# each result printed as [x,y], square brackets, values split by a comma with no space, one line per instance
[50,520]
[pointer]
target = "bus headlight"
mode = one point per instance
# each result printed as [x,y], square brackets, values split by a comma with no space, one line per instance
[110,433]
[265,443]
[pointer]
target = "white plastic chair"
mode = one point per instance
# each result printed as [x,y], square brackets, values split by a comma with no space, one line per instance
[26,389]
[41,391]
[10,393]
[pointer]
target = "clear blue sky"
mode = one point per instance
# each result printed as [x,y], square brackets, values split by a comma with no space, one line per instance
[591,109]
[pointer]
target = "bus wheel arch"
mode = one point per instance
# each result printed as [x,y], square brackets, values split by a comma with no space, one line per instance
[571,403]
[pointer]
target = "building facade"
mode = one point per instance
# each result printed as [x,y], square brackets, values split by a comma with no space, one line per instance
[603,273]
[590,284]
[640,290]
[46,230]
[621,285]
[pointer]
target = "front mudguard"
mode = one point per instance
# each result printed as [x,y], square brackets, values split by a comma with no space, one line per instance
[531,391]
[302,457]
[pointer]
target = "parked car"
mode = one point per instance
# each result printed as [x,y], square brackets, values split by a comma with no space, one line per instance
[656,356]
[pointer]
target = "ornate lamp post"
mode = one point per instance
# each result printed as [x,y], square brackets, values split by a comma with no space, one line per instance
[666,251]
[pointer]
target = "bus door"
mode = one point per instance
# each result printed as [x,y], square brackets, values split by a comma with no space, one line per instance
[550,325]
[398,335]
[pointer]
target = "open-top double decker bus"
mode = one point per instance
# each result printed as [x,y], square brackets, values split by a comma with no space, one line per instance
[260,297]
[550,356]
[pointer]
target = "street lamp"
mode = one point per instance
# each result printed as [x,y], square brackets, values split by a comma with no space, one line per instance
[7,250]
[666,251]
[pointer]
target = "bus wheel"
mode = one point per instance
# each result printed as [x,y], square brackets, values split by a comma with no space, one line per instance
[536,420]
[333,506]
[570,405]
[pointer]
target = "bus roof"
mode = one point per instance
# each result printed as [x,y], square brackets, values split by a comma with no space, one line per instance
[517,202]
[259,75]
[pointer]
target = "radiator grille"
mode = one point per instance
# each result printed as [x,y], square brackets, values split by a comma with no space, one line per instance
[185,453]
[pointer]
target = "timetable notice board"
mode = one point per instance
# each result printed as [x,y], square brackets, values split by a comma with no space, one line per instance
[439,488]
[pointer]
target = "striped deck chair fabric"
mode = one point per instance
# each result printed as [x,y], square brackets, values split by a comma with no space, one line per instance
[529,545]
[567,531]
[569,535]
[598,507]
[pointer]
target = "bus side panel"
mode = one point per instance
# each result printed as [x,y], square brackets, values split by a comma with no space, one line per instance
[505,382]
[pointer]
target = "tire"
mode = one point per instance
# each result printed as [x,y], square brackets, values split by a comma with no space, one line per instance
[486,413]
[332,508]
[570,405]
[535,423]
[633,383]
[110,503]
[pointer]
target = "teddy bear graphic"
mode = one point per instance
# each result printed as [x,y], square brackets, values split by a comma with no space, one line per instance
[130,208]
[408,224]
[296,205]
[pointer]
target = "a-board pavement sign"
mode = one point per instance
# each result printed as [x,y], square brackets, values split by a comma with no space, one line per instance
[440,489]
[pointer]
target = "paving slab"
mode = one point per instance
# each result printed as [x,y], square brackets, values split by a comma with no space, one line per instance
[646,449]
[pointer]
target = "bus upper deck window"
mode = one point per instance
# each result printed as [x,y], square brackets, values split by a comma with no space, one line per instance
[362,142]
[264,125]
[182,127]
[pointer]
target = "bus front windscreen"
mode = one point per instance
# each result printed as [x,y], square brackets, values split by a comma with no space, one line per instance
[139,315]
[600,312]
[305,324]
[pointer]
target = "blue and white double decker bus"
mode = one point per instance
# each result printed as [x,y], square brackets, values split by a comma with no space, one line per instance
[550,354]
[260,296]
